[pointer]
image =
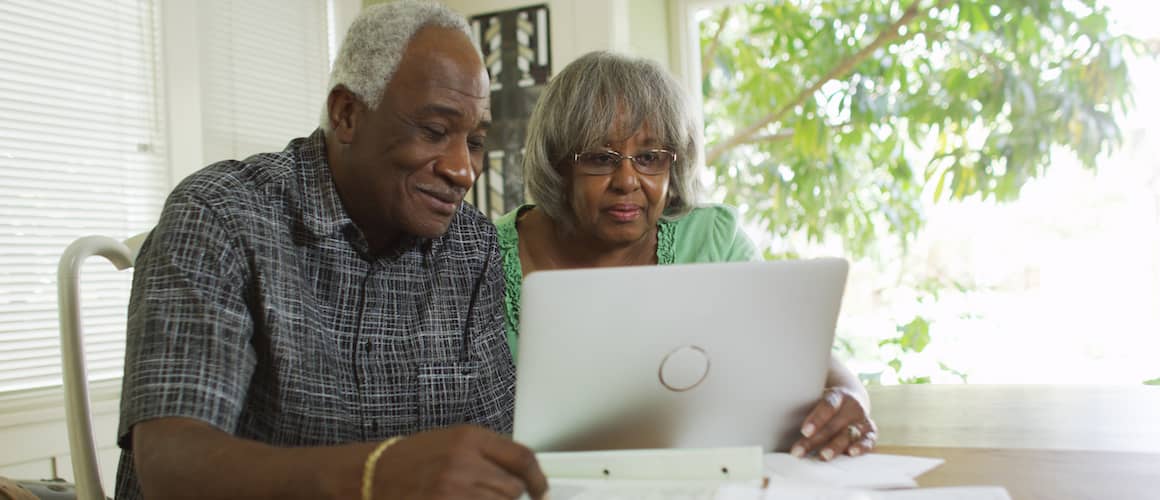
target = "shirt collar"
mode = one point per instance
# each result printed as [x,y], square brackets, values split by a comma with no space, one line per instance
[321,208]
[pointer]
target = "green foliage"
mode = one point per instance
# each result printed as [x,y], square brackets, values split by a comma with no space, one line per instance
[915,335]
[914,338]
[1155,381]
[833,117]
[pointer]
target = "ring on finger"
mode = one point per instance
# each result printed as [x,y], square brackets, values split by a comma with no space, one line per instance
[854,432]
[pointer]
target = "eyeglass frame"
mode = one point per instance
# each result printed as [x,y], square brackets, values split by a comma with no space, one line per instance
[631,159]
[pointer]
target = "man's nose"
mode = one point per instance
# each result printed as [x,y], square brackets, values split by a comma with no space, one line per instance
[457,168]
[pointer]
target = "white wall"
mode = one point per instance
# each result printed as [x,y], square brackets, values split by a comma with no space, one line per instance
[183,74]
[35,438]
[639,27]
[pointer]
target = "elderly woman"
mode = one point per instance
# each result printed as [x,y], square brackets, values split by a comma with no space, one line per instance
[611,161]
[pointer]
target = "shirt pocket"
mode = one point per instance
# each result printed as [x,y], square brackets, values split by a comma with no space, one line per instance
[445,393]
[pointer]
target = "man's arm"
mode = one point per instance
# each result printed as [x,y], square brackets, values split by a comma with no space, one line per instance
[180,458]
[185,458]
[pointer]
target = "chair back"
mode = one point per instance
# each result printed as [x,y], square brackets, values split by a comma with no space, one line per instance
[76,390]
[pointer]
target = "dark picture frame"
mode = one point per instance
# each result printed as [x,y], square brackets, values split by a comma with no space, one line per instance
[516,48]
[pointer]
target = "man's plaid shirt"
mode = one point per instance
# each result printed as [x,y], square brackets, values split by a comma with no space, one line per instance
[256,308]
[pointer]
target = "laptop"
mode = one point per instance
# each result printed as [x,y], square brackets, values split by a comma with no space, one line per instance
[679,356]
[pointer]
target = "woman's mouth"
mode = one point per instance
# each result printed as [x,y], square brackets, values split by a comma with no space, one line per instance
[624,212]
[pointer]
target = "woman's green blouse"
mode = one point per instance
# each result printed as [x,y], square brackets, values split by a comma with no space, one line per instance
[710,233]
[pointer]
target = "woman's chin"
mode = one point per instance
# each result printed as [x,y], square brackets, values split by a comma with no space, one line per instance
[622,235]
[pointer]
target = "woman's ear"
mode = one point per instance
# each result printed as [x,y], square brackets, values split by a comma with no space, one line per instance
[343,110]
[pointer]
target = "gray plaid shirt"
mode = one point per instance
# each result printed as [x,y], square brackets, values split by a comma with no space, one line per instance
[256,308]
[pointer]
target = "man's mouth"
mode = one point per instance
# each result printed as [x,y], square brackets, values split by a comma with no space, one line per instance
[443,201]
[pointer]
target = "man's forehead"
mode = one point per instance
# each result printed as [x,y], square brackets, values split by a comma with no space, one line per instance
[448,45]
[447,66]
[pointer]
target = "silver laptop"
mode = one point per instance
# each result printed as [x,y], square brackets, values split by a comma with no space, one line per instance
[681,356]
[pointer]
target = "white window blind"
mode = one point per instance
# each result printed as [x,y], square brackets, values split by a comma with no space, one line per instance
[265,66]
[81,152]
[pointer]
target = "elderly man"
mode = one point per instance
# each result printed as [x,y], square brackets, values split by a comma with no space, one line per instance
[318,322]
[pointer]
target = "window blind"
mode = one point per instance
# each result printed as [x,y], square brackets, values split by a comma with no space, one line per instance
[81,152]
[82,144]
[265,64]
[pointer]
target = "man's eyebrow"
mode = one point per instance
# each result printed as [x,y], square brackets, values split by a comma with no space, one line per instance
[451,112]
[439,109]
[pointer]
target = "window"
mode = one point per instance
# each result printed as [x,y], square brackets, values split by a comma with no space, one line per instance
[886,131]
[87,103]
[82,151]
[265,66]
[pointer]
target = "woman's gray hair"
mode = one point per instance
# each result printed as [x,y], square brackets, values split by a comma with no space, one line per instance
[375,43]
[595,96]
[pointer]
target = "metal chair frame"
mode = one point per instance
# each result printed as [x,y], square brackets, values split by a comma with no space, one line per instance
[76,389]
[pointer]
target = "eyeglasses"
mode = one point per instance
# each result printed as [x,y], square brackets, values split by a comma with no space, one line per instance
[651,162]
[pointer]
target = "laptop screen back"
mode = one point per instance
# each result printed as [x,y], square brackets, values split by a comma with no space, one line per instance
[698,355]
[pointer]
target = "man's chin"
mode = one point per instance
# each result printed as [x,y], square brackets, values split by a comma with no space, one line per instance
[432,226]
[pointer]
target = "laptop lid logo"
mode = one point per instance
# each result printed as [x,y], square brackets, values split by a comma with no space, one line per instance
[683,368]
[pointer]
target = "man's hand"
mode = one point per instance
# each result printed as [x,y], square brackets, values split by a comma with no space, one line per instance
[458,462]
[178,458]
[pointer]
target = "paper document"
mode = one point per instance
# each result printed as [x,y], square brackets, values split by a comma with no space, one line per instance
[698,475]
[872,471]
[589,489]
[574,489]
[735,463]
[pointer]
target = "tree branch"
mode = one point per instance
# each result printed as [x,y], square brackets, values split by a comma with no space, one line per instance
[707,55]
[785,135]
[841,70]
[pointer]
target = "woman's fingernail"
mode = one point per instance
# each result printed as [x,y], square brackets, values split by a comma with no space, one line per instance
[797,451]
[827,454]
[855,451]
[834,398]
[808,430]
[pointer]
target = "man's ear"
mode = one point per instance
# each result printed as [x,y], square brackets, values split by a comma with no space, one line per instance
[343,110]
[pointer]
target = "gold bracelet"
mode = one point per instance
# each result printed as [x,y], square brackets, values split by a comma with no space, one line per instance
[368,477]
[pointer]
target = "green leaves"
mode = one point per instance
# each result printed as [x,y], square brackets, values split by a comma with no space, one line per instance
[818,112]
[1155,381]
[915,335]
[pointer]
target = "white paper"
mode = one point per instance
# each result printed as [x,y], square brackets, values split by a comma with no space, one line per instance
[790,478]
[588,489]
[946,493]
[872,471]
[739,463]
[802,492]
[595,489]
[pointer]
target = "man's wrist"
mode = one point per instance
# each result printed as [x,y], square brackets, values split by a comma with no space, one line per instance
[369,466]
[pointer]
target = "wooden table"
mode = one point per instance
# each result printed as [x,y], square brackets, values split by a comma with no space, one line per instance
[1040,442]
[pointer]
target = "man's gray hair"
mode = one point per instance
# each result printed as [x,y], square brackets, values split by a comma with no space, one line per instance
[595,96]
[375,43]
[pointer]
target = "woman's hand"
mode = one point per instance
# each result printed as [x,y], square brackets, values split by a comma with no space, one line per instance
[838,424]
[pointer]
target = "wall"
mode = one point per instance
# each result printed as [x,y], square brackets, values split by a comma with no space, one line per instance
[35,438]
[638,27]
